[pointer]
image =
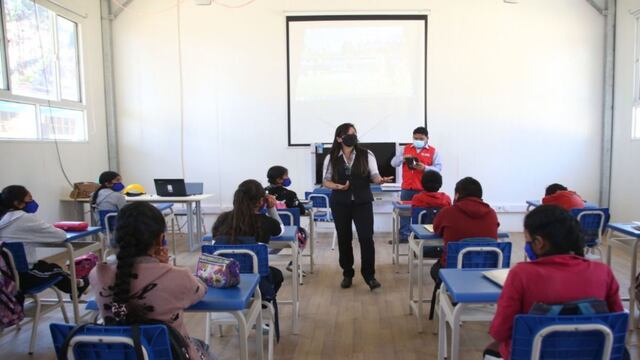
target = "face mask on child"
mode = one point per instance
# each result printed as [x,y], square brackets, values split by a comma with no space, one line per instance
[419,143]
[529,251]
[117,187]
[31,207]
[286,182]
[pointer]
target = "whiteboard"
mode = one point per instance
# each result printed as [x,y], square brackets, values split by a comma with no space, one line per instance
[367,70]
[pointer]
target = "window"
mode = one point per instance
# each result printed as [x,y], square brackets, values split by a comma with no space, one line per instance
[635,119]
[41,93]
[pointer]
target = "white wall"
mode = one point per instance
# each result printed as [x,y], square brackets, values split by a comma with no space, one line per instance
[625,197]
[514,92]
[35,164]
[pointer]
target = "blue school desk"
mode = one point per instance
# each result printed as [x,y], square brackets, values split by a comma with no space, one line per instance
[628,241]
[244,302]
[418,240]
[535,203]
[400,208]
[466,288]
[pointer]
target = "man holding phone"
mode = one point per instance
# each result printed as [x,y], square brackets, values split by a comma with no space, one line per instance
[416,158]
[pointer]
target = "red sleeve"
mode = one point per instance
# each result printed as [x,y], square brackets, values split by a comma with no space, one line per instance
[613,294]
[415,201]
[509,305]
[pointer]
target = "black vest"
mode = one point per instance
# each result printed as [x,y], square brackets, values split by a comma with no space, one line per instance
[359,185]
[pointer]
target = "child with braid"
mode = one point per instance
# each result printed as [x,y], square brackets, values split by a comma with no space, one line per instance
[143,284]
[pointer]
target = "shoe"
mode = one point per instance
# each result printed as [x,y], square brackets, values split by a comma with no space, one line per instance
[390,242]
[346,282]
[373,284]
[290,269]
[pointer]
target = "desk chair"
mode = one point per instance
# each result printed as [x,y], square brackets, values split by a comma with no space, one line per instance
[17,258]
[253,258]
[473,253]
[111,342]
[597,336]
[108,220]
[322,211]
[425,216]
[592,225]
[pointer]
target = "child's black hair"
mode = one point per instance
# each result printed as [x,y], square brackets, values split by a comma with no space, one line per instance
[431,181]
[554,188]
[105,177]
[421,130]
[557,227]
[9,196]
[468,187]
[243,221]
[138,228]
[276,172]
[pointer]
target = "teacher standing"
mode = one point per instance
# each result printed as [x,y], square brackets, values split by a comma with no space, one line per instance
[348,172]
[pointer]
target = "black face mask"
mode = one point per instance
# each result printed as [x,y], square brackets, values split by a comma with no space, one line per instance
[350,140]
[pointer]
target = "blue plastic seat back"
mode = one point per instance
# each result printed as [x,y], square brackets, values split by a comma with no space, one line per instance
[286,219]
[478,259]
[154,338]
[318,201]
[246,262]
[568,345]
[102,214]
[19,255]
[426,214]
[590,223]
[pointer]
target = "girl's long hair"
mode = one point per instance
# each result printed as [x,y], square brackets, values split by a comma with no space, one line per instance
[241,221]
[9,196]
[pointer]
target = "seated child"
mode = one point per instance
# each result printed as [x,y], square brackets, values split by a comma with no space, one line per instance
[108,196]
[279,181]
[430,197]
[18,223]
[143,284]
[556,274]
[557,194]
[468,217]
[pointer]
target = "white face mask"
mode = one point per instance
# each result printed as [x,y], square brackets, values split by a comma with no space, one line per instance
[419,143]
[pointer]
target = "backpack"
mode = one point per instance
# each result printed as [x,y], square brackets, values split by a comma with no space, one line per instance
[11,299]
[579,307]
[179,345]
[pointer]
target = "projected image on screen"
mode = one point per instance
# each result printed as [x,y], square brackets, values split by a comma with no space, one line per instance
[367,71]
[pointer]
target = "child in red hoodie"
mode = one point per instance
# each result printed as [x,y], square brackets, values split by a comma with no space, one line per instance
[555,274]
[557,194]
[430,197]
[468,217]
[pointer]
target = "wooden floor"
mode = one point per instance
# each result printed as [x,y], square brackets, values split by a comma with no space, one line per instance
[334,323]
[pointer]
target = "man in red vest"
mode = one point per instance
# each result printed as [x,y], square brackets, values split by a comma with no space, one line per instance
[416,158]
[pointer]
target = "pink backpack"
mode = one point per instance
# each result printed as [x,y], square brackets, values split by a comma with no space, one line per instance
[84,264]
[11,300]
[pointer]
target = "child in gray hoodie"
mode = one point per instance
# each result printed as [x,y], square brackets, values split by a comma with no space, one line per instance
[18,223]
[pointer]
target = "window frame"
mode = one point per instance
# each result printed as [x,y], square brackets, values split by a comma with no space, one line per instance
[5,86]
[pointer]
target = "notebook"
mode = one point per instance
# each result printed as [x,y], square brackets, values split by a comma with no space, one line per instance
[428,227]
[498,276]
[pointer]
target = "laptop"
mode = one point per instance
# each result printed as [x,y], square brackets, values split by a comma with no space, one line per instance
[177,187]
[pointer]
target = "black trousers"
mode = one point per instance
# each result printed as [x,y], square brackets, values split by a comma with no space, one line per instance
[362,216]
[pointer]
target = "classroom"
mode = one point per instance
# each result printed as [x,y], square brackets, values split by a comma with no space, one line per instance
[303,179]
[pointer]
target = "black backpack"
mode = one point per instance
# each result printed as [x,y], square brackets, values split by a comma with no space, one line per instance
[179,345]
[579,307]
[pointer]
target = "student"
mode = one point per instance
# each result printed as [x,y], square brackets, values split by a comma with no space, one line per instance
[108,196]
[556,274]
[416,158]
[245,220]
[18,223]
[279,181]
[430,197]
[557,194]
[143,284]
[349,171]
[468,217]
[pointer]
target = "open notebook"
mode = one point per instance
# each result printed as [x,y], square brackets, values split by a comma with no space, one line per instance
[429,227]
[498,276]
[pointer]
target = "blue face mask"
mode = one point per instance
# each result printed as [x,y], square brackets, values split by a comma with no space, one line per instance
[529,251]
[31,207]
[286,182]
[419,143]
[117,187]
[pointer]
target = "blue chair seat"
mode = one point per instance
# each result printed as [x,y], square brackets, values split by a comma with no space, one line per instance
[42,287]
[207,238]
[322,216]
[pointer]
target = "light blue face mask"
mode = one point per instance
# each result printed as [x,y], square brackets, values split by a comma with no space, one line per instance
[419,143]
